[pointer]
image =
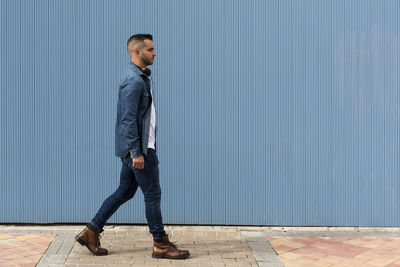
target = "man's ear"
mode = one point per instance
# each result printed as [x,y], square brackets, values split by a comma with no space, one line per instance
[136,51]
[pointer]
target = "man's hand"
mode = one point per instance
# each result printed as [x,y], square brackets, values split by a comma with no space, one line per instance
[138,162]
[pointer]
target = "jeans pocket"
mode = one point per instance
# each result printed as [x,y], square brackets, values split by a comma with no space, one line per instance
[152,158]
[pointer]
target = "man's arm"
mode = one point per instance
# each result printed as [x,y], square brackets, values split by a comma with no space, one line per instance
[129,97]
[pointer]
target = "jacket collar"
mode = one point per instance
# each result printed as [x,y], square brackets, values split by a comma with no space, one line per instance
[136,69]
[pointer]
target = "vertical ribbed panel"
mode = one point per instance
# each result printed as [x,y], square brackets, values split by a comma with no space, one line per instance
[278,112]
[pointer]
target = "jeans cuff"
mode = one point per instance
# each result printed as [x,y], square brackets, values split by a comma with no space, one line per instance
[92,227]
[158,237]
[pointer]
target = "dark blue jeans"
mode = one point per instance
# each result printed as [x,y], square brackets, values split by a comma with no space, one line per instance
[148,181]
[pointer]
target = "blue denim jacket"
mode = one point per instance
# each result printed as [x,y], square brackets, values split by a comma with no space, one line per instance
[133,113]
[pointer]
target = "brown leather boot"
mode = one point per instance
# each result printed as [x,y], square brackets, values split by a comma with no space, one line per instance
[165,249]
[90,237]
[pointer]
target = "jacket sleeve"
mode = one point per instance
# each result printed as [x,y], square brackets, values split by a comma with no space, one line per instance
[129,97]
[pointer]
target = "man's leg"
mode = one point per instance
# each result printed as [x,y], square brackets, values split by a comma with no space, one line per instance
[148,180]
[125,191]
[89,236]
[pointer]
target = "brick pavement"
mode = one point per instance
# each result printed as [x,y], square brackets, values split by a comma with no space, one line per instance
[338,251]
[17,249]
[336,246]
[132,246]
[221,246]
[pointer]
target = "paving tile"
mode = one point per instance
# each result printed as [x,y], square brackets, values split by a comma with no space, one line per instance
[310,265]
[28,265]
[283,249]
[338,251]
[26,237]
[278,243]
[381,261]
[330,260]
[4,263]
[21,249]
[5,236]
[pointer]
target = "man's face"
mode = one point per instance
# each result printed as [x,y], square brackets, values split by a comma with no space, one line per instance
[147,53]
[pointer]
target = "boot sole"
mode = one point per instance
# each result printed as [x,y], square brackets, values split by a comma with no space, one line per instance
[83,243]
[158,256]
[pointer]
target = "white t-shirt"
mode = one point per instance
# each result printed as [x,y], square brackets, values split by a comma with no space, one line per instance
[152,134]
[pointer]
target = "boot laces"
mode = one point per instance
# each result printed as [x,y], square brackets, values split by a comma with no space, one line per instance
[98,240]
[172,244]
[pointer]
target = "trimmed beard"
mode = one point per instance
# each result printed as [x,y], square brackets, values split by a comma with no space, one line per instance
[147,61]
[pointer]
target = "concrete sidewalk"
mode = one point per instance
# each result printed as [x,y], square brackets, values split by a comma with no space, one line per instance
[209,246]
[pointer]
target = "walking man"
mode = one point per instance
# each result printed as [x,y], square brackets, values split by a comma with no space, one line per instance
[135,144]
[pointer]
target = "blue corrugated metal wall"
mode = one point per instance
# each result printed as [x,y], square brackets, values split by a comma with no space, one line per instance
[269,112]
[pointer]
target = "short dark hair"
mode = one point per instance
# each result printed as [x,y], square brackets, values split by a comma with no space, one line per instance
[140,37]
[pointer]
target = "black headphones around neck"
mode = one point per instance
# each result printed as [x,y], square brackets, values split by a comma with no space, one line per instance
[146,71]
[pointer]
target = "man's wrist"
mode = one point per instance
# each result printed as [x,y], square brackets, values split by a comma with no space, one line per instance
[131,154]
[134,154]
